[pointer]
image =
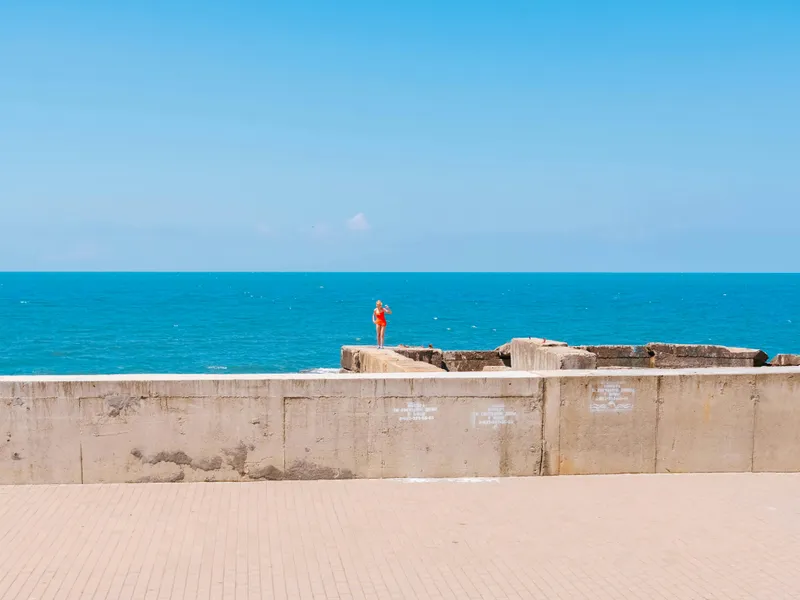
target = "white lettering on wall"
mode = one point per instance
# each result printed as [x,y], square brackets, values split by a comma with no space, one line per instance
[611,397]
[416,411]
[495,415]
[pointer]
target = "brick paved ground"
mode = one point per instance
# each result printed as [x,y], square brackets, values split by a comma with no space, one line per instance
[653,537]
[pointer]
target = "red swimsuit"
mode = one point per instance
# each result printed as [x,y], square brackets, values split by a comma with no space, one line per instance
[380,317]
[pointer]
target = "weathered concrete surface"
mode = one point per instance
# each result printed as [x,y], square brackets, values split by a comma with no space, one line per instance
[429,427]
[785,360]
[180,430]
[621,356]
[675,356]
[351,358]
[606,424]
[504,351]
[369,359]
[365,359]
[388,361]
[237,429]
[471,360]
[776,446]
[496,368]
[436,424]
[432,356]
[39,434]
[320,438]
[706,423]
[530,354]
[689,356]
[454,428]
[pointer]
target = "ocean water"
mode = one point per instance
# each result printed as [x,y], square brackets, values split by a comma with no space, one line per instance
[90,323]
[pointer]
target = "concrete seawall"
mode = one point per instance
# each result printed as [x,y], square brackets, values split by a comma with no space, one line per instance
[431,424]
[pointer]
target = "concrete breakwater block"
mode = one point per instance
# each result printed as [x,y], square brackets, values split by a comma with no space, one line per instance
[374,360]
[620,355]
[532,354]
[432,356]
[704,355]
[351,358]
[785,360]
[675,356]
[504,351]
[471,360]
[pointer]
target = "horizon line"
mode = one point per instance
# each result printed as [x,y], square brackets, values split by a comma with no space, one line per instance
[391,272]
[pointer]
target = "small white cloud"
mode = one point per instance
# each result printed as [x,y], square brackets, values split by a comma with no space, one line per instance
[358,223]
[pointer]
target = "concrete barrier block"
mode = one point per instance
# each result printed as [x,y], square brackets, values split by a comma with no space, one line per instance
[454,436]
[706,423]
[163,436]
[607,424]
[777,426]
[39,436]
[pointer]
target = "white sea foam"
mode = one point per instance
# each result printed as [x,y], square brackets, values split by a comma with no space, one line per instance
[321,371]
[216,368]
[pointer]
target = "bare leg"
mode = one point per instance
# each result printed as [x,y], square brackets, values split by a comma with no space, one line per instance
[381,335]
[378,334]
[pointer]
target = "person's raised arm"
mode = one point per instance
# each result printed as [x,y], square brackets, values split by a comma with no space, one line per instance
[387,310]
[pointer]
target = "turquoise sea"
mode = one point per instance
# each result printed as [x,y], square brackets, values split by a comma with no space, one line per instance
[89,323]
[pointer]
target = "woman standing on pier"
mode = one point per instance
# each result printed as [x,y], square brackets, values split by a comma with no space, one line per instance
[379,318]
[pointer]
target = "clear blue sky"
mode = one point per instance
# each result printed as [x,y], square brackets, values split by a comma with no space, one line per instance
[411,135]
